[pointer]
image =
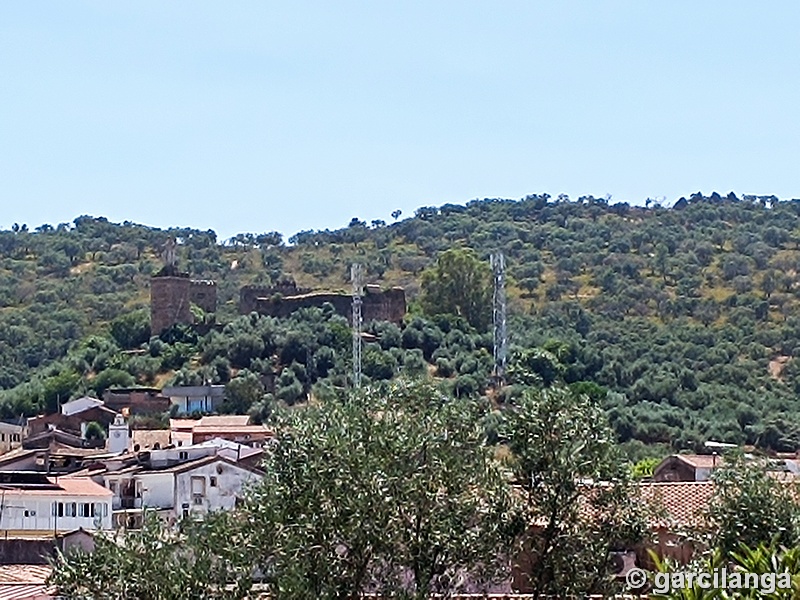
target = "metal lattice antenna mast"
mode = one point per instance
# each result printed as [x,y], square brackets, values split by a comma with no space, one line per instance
[498,263]
[357,277]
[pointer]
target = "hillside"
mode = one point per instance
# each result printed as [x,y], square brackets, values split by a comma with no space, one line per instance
[689,316]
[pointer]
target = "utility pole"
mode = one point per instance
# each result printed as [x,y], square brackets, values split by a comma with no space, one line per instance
[498,263]
[357,277]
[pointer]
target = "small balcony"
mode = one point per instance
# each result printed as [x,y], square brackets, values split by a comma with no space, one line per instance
[127,502]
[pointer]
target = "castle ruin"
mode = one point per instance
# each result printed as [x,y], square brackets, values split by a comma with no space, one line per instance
[172,294]
[378,305]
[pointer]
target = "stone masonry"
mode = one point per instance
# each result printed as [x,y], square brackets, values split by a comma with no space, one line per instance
[171,297]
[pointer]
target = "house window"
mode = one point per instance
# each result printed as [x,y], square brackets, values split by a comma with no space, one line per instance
[183,455]
[198,489]
[29,513]
[112,485]
[3,437]
[212,482]
[85,510]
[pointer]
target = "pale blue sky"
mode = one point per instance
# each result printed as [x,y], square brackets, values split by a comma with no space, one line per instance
[256,116]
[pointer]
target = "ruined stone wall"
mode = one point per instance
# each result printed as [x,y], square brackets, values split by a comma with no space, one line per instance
[378,305]
[249,295]
[203,293]
[170,299]
[384,305]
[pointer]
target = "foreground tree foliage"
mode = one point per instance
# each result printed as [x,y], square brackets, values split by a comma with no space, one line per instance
[200,560]
[750,507]
[578,496]
[390,490]
[763,571]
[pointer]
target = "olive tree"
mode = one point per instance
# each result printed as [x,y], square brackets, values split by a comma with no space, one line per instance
[460,284]
[577,494]
[749,507]
[391,490]
[200,559]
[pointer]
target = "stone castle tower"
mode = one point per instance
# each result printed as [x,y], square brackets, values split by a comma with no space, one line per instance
[172,294]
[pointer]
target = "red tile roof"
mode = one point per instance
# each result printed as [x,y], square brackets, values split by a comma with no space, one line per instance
[80,486]
[679,504]
[148,438]
[26,591]
[24,573]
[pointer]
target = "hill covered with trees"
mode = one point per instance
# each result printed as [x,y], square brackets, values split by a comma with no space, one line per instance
[682,322]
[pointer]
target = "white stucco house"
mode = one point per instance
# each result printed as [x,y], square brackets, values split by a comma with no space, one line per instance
[194,487]
[211,484]
[53,505]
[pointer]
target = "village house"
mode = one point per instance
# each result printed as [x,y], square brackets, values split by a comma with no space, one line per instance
[195,398]
[687,467]
[194,487]
[149,439]
[676,511]
[700,467]
[235,428]
[53,459]
[35,504]
[136,401]
[73,418]
[11,436]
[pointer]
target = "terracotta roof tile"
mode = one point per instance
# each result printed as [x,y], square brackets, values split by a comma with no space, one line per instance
[24,573]
[677,503]
[148,438]
[80,486]
[26,591]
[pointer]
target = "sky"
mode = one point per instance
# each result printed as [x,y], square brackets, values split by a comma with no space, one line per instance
[260,116]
